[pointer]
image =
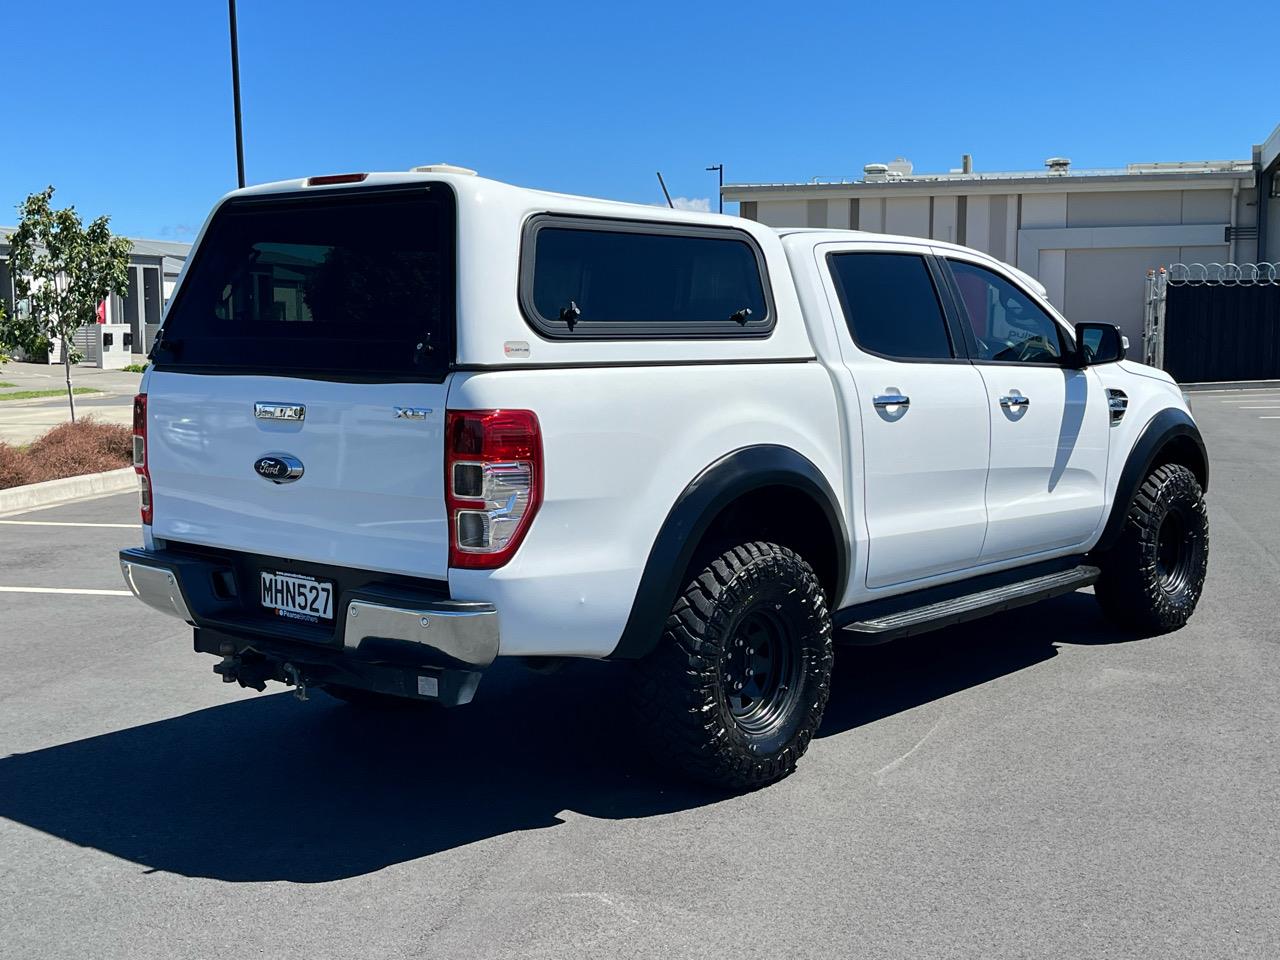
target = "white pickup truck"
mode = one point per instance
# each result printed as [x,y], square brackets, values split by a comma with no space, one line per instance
[400,424]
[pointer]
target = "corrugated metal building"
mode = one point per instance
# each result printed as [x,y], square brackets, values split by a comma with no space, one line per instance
[1088,235]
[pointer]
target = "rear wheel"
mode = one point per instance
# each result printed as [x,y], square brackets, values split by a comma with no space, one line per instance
[736,687]
[1152,578]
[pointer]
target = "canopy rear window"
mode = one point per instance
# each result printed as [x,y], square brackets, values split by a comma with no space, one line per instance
[347,282]
[614,279]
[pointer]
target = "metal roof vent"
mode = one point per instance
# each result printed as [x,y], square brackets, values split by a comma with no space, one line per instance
[444,168]
[1058,166]
[901,167]
[875,172]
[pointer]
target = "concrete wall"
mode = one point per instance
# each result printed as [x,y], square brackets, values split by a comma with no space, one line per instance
[1106,285]
[783,213]
[908,216]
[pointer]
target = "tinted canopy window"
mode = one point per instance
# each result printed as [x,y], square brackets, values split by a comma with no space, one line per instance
[359,282]
[621,281]
[891,306]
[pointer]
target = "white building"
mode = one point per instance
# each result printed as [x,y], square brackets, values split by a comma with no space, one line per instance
[1088,235]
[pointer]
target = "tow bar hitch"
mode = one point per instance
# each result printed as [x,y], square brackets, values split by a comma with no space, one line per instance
[253,670]
[249,672]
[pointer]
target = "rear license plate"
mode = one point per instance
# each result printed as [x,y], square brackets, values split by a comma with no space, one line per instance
[297,597]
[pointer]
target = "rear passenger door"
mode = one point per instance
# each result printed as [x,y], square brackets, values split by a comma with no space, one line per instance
[922,410]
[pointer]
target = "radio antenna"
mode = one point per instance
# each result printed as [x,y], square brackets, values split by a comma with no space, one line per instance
[662,183]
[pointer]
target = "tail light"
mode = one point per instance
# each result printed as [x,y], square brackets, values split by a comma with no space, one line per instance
[493,483]
[140,454]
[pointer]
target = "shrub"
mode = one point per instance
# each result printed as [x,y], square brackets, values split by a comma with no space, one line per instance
[68,450]
[15,467]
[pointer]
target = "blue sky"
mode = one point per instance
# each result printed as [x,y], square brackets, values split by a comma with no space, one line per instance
[126,109]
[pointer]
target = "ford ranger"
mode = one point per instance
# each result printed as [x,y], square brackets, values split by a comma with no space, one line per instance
[398,425]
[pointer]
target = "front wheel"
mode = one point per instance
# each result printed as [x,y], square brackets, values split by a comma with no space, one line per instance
[1152,578]
[736,687]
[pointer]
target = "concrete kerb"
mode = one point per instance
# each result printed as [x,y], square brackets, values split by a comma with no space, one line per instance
[34,496]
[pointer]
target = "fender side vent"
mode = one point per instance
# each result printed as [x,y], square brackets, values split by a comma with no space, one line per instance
[1118,402]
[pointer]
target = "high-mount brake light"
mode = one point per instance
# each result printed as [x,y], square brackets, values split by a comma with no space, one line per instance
[336,178]
[140,466]
[493,483]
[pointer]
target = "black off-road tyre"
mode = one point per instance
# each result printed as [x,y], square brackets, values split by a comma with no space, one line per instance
[736,687]
[1152,578]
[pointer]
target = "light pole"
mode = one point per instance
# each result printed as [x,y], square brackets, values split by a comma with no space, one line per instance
[719,167]
[235,91]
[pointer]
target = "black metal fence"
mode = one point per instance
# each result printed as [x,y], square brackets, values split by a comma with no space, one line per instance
[1220,326]
[1215,332]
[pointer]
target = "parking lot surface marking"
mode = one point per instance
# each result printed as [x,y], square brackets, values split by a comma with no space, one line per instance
[67,590]
[65,523]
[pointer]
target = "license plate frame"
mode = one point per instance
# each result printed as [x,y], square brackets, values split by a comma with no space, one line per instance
[296,596]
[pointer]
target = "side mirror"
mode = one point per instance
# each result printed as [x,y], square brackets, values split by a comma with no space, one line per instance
[1100,343]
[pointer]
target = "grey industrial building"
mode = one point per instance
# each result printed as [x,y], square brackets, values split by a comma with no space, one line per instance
[153,271]
[1088,235]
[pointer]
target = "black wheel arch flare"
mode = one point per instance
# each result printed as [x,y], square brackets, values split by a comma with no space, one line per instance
[692,515]
[1169,437]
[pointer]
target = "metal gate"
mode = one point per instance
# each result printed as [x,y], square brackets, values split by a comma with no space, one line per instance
[1216,321]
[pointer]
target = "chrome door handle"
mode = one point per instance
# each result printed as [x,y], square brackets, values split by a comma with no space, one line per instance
[892,400]
[1015,401]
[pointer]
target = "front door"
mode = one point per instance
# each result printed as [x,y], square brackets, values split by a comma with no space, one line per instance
[921,407]
[1050,422]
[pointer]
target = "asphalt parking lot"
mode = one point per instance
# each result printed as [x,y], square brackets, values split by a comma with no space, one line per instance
[1034,785]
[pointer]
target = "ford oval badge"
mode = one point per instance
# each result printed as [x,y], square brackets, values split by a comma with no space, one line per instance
[279,468]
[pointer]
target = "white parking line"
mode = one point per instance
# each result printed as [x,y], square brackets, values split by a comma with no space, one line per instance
[1249,400]
[115,526]
[68,590]
[1260,388]
[1260,408]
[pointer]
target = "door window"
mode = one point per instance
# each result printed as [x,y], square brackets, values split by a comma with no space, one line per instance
[891,306]
[1007,324]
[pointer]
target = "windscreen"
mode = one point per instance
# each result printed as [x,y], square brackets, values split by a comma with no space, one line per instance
[357,282]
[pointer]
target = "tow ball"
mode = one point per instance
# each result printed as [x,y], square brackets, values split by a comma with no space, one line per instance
[253,671]
[294,678]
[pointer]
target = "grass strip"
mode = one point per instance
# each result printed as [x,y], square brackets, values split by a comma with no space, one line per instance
[38,394]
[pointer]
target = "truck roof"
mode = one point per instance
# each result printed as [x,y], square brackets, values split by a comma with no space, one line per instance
[468,183]
[829,234]
[489,317]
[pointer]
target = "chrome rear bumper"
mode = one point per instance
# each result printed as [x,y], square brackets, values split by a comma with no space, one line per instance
[156,586]
[405,630]
[465,632]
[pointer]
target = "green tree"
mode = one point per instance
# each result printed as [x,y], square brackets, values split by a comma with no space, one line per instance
[64,270]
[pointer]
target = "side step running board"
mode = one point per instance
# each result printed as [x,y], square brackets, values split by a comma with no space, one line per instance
[934,616]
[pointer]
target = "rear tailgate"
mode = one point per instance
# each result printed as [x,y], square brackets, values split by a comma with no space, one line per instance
[314,330]
[371,494]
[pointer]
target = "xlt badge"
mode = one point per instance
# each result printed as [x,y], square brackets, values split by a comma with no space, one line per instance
[279,411]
